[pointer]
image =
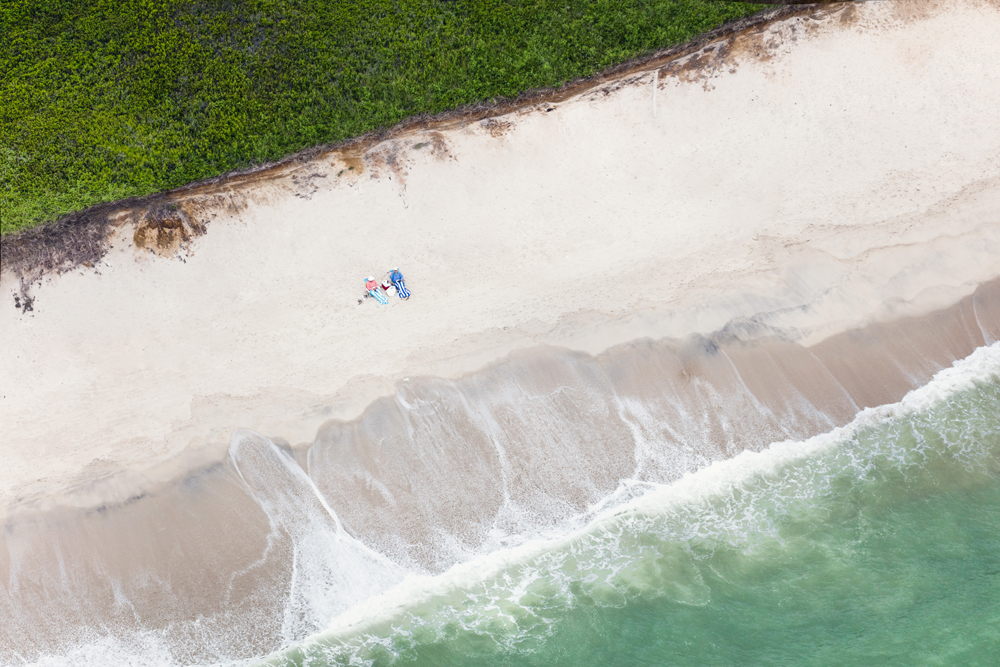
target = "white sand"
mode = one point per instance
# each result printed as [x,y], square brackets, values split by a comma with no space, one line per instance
[854,170]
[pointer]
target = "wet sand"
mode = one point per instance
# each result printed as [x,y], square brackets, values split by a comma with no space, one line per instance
[439,472]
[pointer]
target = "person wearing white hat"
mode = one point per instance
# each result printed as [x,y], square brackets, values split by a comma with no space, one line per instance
[397,280]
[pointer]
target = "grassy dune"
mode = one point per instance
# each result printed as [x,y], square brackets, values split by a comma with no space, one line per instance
[105,99]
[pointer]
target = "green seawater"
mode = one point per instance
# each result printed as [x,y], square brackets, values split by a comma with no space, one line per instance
[877,544]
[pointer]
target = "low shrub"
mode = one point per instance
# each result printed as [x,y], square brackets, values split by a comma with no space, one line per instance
[106,99]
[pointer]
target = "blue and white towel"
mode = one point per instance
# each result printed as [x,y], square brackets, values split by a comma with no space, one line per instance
[401,289]
[377,293]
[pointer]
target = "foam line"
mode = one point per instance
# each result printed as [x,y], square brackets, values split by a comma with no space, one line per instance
[716,481]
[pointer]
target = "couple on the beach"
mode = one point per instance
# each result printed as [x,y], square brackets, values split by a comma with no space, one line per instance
[393,281]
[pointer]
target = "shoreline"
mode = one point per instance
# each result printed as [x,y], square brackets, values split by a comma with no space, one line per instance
[654,226]
[707,482]
[231,527]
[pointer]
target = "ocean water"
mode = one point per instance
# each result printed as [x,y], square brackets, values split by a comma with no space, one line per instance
[875,543]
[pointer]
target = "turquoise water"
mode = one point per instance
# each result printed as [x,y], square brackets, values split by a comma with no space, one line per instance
[874,544]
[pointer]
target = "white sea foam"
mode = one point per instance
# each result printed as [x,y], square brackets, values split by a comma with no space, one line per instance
[705,498]
[512,595]
[330,569]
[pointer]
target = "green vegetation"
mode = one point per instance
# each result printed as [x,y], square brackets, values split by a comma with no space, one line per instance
[105,99]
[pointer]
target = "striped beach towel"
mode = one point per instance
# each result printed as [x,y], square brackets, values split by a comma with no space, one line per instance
[401,289]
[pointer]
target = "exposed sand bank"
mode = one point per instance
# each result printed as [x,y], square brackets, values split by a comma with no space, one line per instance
[810,177]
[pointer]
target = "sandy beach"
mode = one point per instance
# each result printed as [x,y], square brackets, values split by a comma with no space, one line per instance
[815,175]
[791,194]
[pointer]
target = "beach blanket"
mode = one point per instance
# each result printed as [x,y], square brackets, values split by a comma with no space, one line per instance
[377,293]
[401,289]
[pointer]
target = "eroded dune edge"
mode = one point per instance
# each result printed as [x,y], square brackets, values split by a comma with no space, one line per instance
[745,244]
